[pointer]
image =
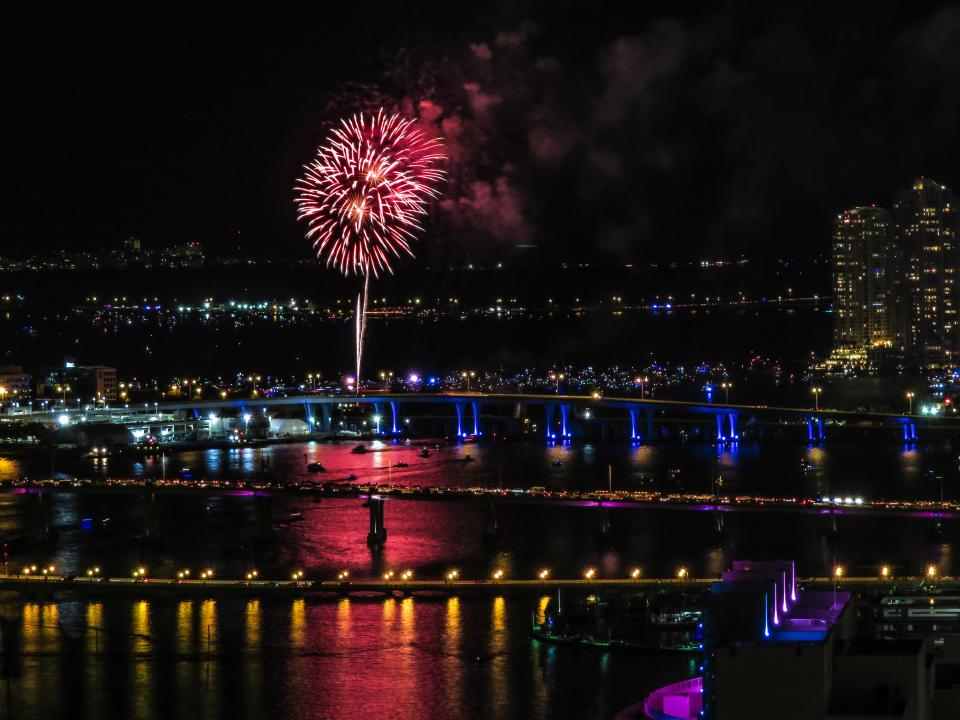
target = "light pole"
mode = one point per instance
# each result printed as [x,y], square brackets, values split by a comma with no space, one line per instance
[910,401]
[557,377]
[726,392]
[467,374]
[816,390]
[640,381]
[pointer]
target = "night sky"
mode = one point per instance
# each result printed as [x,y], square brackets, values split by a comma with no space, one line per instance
[589,133]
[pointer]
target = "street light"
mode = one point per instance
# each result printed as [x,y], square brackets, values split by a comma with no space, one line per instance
[589,574]
[682,573]
[641,381]
[838,571]
[453,575]
[498,574]
[816,390]
[635,574]
[885,571]
[467,375]
[726,390]
[931,571]
[910,401]
[556,378]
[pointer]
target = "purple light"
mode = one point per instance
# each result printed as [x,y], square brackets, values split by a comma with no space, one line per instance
[766,616]
[784,608]
[776,617]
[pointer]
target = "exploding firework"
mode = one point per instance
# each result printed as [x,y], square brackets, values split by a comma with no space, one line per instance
[366,190]
[363,195]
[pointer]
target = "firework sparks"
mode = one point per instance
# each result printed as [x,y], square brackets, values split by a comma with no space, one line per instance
[363,194]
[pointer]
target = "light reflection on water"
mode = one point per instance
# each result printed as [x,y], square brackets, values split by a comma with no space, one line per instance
[406,658]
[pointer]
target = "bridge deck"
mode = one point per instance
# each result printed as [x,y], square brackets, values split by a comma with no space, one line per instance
[161,586]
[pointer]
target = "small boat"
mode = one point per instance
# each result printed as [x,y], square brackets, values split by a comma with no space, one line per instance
[425,453]
[359,449]
[400,464]
[296,516]
[556,463]
[315,467]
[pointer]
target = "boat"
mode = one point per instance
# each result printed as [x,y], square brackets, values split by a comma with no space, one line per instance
[425,453]
[400,464]
[359,449]
[557,463]
[296,516]
[315,467]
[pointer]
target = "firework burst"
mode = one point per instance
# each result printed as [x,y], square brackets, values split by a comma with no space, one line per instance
[364,193]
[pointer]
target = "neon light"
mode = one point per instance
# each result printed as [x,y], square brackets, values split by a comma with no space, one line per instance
[776,617]
[766,617]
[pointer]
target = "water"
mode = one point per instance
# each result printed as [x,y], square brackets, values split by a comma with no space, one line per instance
[441,657]
[409,658]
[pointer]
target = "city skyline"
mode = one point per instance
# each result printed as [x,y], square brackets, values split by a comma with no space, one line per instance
[895,289]
[481,360]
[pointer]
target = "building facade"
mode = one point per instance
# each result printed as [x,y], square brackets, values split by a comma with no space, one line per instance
[862,313]
[928,263]
[94,383]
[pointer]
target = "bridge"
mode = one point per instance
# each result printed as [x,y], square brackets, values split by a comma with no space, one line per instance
[553,416]
[147,586]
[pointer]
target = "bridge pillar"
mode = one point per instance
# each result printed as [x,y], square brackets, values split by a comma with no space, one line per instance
[394,416]
[909,432]
[37,516]
[491,528]
[721,436]
[326,413]
[815,431]
[606,527]
[733,426]
[634,433]
[377,417]
[151,516]
[476,418]
[459,407]
[377,537]
[565,421]
[263,507]
[549,409]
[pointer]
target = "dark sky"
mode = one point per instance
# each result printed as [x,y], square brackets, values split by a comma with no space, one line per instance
[741,128]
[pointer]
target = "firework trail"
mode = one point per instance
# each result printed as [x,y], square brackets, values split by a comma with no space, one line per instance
[363,195]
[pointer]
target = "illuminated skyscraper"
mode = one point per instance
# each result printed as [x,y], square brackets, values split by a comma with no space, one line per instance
[862,314]
[928,260]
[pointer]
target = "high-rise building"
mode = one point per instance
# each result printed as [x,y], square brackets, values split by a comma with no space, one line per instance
[928,264]
[862,317]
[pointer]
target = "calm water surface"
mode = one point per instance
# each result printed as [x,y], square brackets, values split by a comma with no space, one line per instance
[407,658]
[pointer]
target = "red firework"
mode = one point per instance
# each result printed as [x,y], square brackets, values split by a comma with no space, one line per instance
[363,194]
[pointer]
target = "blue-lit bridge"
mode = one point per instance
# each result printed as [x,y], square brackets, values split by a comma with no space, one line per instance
[552,416]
